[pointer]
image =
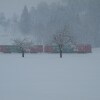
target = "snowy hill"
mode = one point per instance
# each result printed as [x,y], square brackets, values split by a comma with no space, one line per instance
[47,77]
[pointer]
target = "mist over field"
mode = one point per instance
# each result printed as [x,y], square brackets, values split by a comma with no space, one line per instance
[67,27]
[40,20]
[16,6]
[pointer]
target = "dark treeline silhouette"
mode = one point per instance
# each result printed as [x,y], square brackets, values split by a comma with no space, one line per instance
[43,21]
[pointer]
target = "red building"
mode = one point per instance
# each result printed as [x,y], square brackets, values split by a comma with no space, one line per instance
[36,49]
[84,48]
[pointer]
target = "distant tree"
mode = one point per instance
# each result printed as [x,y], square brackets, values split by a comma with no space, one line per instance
[32,14]
[23,44]
[24,23]
[14,24]
[62,39]
[2,19]
[4,22]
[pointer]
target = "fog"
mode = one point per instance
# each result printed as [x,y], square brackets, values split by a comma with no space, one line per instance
[16,6]
[42,19]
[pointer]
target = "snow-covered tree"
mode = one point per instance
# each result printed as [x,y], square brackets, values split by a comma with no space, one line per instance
[63,39]
[23,44]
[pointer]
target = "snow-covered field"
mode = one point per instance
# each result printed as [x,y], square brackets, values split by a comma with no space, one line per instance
[47,77]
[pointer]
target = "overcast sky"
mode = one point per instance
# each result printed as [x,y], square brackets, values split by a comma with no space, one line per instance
[11,6]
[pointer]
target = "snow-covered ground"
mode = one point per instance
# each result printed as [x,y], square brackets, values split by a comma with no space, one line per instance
[47,77]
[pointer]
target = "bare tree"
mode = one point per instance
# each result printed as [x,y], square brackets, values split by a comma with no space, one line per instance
[62,39]
[23,44]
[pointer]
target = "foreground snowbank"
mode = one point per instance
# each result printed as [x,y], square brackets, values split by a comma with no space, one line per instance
[47,77]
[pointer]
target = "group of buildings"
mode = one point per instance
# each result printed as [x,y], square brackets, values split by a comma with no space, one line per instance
[81,48]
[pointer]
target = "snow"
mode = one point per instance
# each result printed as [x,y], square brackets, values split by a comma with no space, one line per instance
[48,77]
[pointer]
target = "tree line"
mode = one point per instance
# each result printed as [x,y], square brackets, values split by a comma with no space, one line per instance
[43,21]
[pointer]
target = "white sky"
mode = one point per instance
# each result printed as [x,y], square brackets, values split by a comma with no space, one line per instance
[11,6]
